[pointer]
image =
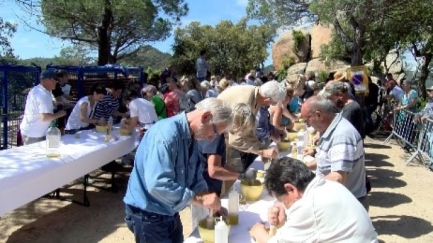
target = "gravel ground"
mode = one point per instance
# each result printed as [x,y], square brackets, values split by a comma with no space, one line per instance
[400,207]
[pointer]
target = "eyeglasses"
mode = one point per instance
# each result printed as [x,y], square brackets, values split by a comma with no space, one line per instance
[306,120]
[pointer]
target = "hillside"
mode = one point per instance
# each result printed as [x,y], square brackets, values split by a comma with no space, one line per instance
[148,56]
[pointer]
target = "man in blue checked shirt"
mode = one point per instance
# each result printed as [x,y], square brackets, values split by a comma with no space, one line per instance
[168,174]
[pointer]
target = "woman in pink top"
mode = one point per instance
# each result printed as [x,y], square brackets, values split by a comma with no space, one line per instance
[171,98]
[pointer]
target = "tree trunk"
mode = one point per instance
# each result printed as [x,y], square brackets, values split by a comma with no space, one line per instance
[424,75]
[104,42]
[357,54]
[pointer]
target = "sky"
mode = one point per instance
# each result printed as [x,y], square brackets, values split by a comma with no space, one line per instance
[28,43]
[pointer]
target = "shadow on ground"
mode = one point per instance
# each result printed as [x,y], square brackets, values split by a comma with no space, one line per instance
[376,146]
[387,199]
[377,160]
[74,219]
[384,178]
[407,227]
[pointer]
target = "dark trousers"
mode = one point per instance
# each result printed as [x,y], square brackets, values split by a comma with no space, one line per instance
[247,159]
[152,227]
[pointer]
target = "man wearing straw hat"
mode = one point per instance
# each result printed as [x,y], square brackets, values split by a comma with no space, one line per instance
[340,76]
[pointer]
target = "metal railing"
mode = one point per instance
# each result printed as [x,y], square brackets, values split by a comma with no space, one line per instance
[81,76]
[15,81]
[413,134]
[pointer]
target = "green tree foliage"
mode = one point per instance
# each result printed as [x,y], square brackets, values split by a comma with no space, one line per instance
[148,56]
[115,29]
[279,13]
[232,49]
[74,55]
[7,30]
[365,30]
[420,39]
[363,26]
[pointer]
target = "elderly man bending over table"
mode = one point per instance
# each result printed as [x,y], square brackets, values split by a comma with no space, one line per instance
[247,142]
[312,209]
[168,174]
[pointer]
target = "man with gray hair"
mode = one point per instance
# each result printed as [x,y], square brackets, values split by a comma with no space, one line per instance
[247,142]
[339,93]
[340,152]
[168,175]
[310,208]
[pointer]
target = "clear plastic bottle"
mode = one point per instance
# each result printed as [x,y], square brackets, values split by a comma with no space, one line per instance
[233,208]
[109,129]
[53,142]
[221,231]
[110,125]
[295,151]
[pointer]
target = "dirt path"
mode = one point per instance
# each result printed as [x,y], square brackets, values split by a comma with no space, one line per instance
[401,207]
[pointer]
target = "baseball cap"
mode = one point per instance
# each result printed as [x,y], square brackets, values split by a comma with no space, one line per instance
[48,74]
[430,88]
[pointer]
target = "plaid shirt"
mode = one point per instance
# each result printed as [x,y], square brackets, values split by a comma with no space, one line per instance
[428,110]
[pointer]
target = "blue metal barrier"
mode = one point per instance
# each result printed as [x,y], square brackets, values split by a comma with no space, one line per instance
[15,82]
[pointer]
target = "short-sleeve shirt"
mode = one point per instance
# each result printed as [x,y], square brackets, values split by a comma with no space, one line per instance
[106,107]
[39,101]
[293,107]
[318,217]
[212,147]
[74,121]
[397,93]
[341,148]
[406,98]
[354,114]
[145,112]
[160,108]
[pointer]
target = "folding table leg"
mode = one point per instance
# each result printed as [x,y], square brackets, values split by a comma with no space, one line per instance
[85,184]
[113,184]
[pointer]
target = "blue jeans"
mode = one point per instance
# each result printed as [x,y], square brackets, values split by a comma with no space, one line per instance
[152,227]
[201,79]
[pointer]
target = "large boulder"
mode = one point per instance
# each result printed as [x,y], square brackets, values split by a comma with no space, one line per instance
[320,35]
[298,68]
[317,65]
[283,48]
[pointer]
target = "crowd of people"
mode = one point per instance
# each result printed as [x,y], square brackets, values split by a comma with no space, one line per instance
[189,123]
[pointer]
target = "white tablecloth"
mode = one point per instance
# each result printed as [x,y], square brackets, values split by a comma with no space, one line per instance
[27,174]
[250,214]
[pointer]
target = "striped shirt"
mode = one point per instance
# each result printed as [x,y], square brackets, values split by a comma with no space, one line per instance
[106,107]
[341,149]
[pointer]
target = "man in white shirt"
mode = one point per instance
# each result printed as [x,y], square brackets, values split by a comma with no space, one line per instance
[142,112]
[312,209]
[38,112]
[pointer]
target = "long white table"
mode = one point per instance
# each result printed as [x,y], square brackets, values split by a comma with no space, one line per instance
[27,174]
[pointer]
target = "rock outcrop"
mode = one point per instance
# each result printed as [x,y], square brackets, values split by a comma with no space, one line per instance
[283,49]
[306,57]
[320,35]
